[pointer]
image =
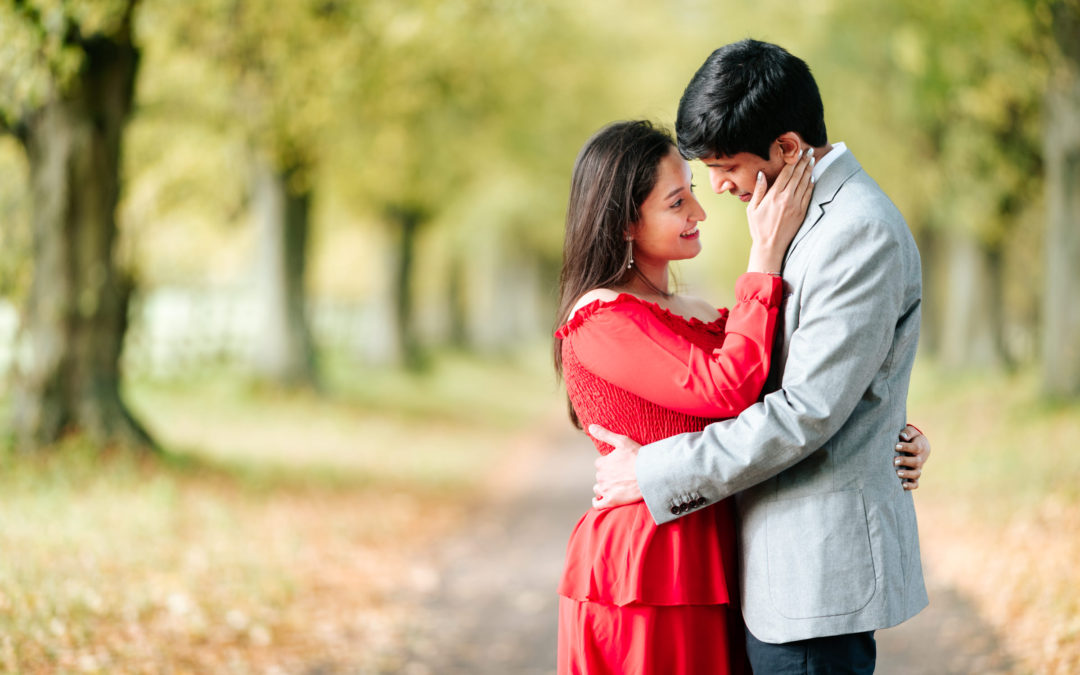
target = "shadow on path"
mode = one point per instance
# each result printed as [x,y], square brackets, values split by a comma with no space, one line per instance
[494,606]
[494,609]
[946,638]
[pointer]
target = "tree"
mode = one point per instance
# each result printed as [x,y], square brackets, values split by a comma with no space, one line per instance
[284,63]
[66,98]
[973,157]
[446,102]
[1061,327]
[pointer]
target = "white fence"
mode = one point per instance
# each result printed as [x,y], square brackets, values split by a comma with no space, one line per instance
[174,330]
[9,325]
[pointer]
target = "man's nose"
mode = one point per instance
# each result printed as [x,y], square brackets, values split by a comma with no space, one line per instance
[721,185]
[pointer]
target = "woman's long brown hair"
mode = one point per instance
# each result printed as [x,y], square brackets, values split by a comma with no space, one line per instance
[613,174]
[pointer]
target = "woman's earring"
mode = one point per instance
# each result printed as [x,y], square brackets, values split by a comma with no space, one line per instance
[630,243]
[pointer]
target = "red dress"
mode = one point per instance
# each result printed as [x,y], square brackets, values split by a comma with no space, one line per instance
[637,597]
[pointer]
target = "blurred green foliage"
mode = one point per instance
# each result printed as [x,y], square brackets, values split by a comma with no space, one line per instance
[466,117]
[467,114]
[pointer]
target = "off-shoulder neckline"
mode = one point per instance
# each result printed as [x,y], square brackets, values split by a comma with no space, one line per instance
[586,311]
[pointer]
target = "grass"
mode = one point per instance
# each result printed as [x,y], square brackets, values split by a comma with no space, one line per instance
[286,532]
[1002,439]
[280,533]
[433,430]
[999,508]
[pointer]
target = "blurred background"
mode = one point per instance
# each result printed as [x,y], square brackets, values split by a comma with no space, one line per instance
[277,283]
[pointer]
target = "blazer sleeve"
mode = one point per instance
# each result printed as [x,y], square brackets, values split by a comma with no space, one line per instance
[626,345]
[852,302]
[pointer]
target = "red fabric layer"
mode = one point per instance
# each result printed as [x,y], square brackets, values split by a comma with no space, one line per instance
[618,360]
[704,369]
[597,639]
[619,556]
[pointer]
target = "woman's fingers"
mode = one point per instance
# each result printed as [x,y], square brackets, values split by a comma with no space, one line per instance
[784,178]
[909,461]
[795,180]
[909,474]
[760,188]
[906,471]
[916,444]
[912,452]
[908,465]
[806,178]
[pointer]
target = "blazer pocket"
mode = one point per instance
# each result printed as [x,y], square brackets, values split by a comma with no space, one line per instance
[819,557]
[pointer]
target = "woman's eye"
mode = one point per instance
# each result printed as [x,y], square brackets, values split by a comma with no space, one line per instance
[677,204]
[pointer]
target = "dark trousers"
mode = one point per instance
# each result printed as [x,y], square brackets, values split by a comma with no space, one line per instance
[855,653]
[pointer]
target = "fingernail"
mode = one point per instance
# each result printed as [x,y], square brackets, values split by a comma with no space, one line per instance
[812,160]
[810,152]
[896,462]
[813,179]
[899,447]
[593,428]
[904,435]
[800,154]
[760,176]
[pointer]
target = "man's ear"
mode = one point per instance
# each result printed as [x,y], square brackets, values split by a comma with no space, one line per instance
[790,143]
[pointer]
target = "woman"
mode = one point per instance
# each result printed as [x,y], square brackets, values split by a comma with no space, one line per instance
[648,363]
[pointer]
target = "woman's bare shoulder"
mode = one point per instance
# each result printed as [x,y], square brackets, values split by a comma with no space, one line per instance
[602,294]
[698,308]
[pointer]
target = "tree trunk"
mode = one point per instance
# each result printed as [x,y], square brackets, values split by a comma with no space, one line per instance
[1061,313]
[970,327]
[284,354]
[457,302]
[408,221]
[930,249]
[68,377]
[998,320]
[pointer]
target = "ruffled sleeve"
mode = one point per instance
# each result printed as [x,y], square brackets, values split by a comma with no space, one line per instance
[626,343]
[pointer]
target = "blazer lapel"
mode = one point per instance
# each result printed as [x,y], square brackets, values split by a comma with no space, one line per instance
[838,173]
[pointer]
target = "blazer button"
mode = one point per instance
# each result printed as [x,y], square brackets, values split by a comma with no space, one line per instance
[675,510]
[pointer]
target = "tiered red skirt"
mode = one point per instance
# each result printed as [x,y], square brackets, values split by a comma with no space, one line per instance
[640,599]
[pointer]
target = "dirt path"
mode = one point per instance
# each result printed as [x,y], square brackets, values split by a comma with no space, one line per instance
[492,604]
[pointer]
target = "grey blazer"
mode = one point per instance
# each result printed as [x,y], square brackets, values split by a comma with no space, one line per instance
[829,542]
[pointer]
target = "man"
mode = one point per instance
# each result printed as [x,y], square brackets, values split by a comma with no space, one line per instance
[830,549]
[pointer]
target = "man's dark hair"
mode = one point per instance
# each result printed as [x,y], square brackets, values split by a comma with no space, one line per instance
[744,97]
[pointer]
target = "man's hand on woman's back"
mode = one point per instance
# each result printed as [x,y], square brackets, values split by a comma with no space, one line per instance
[616,472]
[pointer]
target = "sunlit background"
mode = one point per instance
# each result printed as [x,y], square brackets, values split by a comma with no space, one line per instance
[277,283]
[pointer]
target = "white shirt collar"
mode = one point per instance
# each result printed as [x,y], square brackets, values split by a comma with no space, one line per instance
[823,163]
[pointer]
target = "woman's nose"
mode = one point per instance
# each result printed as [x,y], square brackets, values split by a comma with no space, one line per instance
[699,213]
